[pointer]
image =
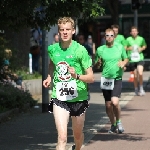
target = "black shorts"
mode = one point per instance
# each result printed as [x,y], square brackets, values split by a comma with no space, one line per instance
[74,108]
[133,65]
[116,92]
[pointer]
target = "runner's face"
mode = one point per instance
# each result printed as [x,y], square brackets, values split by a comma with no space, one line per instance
[134,32]
[109,36]
[116,31]
[66,31]
[56,38]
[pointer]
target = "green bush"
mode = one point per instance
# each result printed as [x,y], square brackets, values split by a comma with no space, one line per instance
[11,97]
[24,73]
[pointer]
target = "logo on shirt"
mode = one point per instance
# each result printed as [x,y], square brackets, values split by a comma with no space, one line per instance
[69,56]
[57,54]
[62,69]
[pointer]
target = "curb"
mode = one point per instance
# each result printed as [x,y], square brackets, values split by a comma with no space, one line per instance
[5,115]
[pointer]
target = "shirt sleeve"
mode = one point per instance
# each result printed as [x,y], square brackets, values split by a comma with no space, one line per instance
[98,54]
[50,52]
[144,42]
[124,54]
[126,43]
[123,42]
[85,59]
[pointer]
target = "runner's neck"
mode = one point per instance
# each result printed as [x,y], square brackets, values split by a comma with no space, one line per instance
[66,44]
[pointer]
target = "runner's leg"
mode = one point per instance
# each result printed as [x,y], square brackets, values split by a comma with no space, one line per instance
[109,105]
[135,79]
[61,117]
[109,111]
[116,107]
[140,69]
[140,72]
[77,126]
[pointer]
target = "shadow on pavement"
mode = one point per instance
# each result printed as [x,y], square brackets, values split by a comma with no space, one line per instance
[104,136]
[36,131]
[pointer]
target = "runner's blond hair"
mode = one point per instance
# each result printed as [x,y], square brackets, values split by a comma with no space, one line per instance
[65,20]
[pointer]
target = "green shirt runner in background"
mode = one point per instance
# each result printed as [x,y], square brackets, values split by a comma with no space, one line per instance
[120,39]
[139,41]
[110,58]
[75,90]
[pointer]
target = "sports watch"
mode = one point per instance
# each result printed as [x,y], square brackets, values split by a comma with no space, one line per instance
[78,76]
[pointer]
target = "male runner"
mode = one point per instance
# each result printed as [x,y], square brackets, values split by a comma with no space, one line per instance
[118,37]
[113,58]
[72,72]
[135,47]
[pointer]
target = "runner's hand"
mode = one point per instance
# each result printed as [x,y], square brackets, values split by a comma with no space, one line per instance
[130,48]
[46,83]
[99,62]
[140,49]
[72,71]
[121,64]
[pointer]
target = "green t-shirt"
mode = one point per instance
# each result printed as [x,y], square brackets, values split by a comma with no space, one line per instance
[65,87]
[139,41]
[110,58]
[120,39]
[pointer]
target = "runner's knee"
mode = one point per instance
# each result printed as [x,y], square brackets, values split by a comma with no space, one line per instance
[77,134]
[108,105]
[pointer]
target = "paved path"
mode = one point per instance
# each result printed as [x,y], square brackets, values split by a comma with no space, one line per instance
[135,117]
[36,131]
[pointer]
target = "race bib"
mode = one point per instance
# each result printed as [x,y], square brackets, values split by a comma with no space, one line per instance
[107,84]
[135,56]
[66,90]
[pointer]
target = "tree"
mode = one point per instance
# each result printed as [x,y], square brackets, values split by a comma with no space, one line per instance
[113,6]
[22,13]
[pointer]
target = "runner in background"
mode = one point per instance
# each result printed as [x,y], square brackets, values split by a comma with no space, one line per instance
[118,37]
[135,46]
[112,57]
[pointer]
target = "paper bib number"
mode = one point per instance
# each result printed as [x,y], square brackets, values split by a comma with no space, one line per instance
[135,56]
[66,90]
[107,84]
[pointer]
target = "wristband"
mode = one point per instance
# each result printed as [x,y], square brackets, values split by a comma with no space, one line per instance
[78,76]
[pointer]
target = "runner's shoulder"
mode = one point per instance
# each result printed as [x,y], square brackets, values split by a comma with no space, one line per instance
[80,50]
[100,48]
[129,38]
[119,46]
[53,47]
[120,35]
[140,37]
[79,47]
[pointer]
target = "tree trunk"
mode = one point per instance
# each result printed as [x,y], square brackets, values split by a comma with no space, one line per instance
[113,7]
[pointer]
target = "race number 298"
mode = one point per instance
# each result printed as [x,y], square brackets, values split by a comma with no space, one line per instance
[107,83]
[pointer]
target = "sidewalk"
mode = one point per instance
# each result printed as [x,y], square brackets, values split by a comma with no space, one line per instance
[136,120]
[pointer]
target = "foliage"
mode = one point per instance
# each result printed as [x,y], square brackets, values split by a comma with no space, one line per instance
[3,46]
[19,14]
[11,97]
[24,73]
[6,52]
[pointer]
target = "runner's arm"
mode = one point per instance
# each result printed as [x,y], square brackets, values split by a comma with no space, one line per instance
[127,46]
[142,48]
[88,77]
